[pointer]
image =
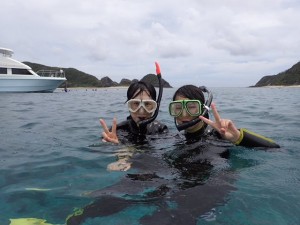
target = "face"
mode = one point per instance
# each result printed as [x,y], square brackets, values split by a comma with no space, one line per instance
[141,113]
[186,117]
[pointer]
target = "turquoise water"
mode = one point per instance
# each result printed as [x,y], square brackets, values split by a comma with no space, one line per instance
[51,155]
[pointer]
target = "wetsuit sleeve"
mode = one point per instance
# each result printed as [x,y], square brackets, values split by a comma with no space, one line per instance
[251,139]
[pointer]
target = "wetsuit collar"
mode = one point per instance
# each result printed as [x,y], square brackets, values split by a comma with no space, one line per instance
[196,135]
[141,130]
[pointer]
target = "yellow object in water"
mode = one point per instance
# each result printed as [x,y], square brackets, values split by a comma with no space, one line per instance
[38,189]
[28,221]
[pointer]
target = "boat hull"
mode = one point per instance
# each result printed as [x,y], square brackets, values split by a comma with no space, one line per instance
[40,84]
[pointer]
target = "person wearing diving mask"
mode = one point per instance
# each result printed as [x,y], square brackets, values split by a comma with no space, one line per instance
[203,173]
[143,107]
[134,130]
[190,112]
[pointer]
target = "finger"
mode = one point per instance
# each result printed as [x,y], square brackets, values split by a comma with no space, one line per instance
[210,123]
[234,131]
[231,126]
[110,139]
[114,126]
[222,131]
[207,121]
[103,124]
[215,113]
[113,140]
[104,136]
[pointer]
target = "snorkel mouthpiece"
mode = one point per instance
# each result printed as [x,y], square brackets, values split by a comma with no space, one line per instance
[193,122]
[143,123]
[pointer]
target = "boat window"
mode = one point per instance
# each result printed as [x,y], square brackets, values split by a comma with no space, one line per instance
[20,71]
[3,70]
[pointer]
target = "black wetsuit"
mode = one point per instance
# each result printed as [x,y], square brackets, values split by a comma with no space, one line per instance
[129,132]
[183,182]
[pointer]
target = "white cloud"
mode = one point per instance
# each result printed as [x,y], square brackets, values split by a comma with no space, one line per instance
[215,43]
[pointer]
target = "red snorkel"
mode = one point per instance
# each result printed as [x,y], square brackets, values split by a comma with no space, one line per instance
[157,69]
[147,121]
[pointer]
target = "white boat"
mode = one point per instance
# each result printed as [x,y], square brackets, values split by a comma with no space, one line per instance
[18,77]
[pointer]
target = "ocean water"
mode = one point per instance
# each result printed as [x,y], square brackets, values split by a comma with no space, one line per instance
[51,155]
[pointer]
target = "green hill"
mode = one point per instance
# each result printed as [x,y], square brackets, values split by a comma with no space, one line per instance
[286,78]
[76,78]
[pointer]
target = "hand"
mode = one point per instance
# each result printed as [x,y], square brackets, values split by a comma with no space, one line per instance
[225,127]
[107,135]
[120,165]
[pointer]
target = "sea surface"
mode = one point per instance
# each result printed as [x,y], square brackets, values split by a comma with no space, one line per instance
[51,155]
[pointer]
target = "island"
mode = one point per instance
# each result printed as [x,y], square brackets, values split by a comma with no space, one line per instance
[290,77]
[77,78]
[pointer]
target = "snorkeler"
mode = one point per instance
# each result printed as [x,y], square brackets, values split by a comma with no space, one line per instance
[190,112]
[143,108]
[200,159]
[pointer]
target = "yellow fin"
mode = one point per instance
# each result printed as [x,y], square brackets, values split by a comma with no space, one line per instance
[28,221]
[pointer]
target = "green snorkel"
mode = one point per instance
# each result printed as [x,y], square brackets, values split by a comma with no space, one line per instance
[143,123]
[205,111]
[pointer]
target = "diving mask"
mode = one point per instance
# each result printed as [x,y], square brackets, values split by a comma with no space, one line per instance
[192,107]
[149,105]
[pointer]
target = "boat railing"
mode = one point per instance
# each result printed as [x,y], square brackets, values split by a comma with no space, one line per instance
[51,73]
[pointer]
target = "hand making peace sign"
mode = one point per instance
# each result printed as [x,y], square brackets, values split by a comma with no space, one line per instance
[225,127]
[107,135]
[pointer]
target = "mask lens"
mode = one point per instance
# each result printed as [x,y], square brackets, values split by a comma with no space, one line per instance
[193,108]
[149,105]
[175,108]
[134,105]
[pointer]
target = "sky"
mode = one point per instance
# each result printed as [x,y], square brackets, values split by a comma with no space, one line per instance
[216,43]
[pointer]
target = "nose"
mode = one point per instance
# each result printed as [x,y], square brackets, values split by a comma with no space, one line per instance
[184,113]
[141,109]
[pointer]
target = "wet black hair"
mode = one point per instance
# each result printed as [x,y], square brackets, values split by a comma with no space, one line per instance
[190,92]
[140,86]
